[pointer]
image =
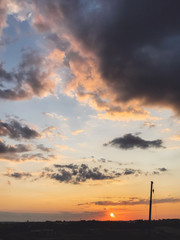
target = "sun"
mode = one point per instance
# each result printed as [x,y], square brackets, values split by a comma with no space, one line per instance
[112,215]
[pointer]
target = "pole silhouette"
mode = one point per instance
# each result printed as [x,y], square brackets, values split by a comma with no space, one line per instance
[150,202]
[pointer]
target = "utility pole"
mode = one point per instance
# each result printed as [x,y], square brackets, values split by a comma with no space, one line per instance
[150,202]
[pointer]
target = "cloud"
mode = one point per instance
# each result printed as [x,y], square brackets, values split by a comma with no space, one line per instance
[16,130]
[117,72]
[133,202]
[52,132]
[34,76]
[133,60]
[19,148]
[130,171]
[149,124]
[162,169]
[43,148]
[54,41]
[35,157]
[77,132]
[76,174]
[55,115]
[130,141]
[3,15]
[18,175]
[17,153]
[135,49]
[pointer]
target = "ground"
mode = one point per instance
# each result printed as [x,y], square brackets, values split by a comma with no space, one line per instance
[162,229]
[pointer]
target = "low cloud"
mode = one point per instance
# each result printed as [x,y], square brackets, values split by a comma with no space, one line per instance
[162,169]
[132,202]
[130,141]
[16,130]
[18,175]
[76,174]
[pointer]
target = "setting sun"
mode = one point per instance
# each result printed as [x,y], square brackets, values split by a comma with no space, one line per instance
[112,215]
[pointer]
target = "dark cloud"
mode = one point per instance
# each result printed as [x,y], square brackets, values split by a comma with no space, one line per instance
[18,175]
[130,141]
[4,75]
[137,44]
[54,41]
[16,130]
[19,148]
[30,78]
[130,171]
[133,202]
[159,170]
[162,169]
[81,173]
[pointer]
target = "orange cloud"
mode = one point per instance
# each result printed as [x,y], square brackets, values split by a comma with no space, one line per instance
[77,132]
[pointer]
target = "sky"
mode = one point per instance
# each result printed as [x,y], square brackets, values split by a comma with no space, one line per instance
[89,116]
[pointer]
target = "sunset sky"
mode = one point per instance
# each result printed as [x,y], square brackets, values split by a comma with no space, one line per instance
[90,109]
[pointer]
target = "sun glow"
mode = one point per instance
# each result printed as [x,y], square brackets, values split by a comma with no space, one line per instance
[112,215]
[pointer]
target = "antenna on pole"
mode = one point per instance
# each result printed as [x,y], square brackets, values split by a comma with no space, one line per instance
[150,202]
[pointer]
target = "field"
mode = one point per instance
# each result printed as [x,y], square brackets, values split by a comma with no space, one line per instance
[86,230]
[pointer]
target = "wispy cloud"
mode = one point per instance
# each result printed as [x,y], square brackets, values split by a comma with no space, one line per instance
[77,132]
[55,115]
[52,132]
[133,202]
[149,124]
